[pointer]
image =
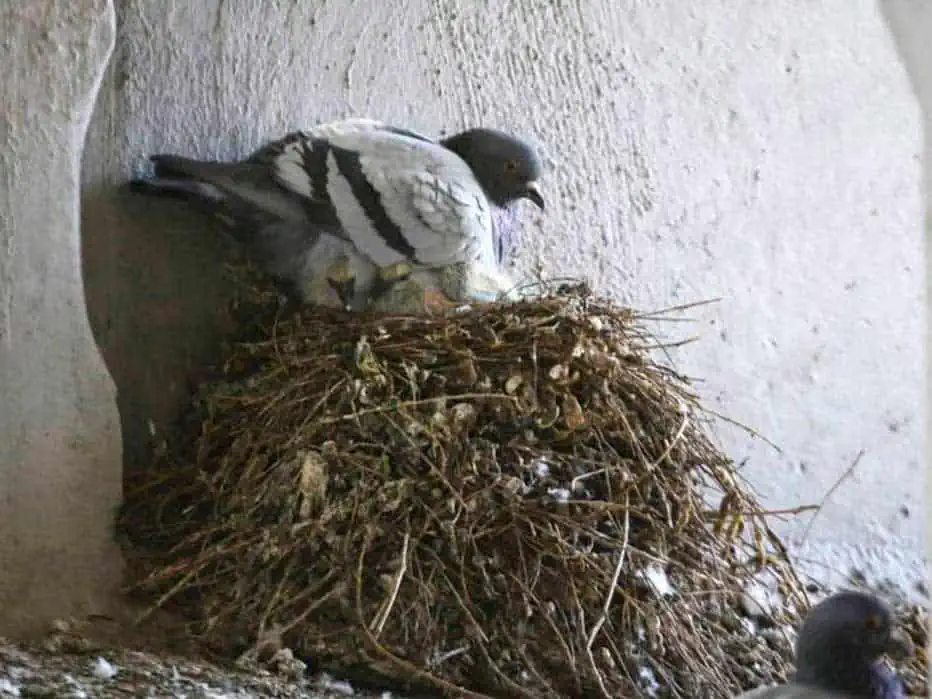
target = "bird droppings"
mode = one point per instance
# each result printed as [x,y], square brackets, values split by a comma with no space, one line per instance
[759,600]
[103,669]
[560,495]
[439,533]
[540,468]
[647,681]
[325,681]
[8,689]
[657,578]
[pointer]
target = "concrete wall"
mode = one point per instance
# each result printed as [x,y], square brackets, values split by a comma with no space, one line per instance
[768,157]
[910,23]
[59,431]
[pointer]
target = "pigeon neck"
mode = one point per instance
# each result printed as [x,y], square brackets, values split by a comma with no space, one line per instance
[885,682]
[460,144]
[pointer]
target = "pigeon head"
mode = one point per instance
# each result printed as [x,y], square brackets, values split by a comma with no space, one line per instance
[841,640]
[507,168]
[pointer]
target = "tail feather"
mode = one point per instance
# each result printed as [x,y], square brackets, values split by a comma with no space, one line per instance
[244,192]
[179,188]
[278,228]
[168,165]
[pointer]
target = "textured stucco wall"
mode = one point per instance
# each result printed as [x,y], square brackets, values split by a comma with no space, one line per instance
[910,23]
[59,431]
[769,157]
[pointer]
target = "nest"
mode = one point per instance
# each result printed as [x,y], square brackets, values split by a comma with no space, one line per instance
[511,501]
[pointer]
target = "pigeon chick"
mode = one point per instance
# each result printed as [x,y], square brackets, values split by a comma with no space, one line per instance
[422,290]
[838,652]
[415,294]
[399,199]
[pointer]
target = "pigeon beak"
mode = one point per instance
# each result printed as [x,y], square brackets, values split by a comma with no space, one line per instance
[900,646]
[532,192]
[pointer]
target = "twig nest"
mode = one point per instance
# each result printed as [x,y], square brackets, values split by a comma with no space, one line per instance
[507,501]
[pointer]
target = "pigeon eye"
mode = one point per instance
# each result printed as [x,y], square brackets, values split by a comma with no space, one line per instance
[511,165]
[873,622]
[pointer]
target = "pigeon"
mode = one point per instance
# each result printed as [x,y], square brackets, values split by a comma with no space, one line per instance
[838,652]
[380,200]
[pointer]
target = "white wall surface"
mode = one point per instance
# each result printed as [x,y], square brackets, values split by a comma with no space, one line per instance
[781,148]
[910,22]
[767,153]
[59,428]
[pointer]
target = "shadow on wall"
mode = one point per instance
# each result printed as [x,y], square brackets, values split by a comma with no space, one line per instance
[155,297]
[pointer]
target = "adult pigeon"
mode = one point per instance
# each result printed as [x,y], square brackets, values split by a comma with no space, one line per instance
[396,199]
[838,652]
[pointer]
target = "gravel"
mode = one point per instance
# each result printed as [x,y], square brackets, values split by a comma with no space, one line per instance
[95,659]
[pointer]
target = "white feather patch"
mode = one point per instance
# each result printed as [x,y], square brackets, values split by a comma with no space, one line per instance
[289,168]
[290,172]
[356,223]
[428,191]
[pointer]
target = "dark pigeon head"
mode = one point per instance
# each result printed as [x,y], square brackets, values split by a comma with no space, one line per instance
[506,167]
[840,644]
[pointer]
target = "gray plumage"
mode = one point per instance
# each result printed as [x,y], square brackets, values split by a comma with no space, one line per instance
[838,650]
[394,198]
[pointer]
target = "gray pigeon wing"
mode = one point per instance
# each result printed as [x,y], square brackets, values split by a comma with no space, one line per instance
[244,185]
[302,162]
[443,217]
[398,195]
[298,163]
